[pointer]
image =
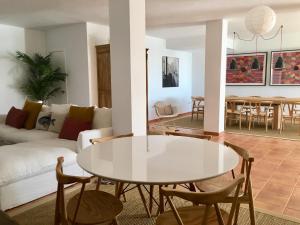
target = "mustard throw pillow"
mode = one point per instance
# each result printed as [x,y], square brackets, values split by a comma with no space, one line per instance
[32,109]
[83,114]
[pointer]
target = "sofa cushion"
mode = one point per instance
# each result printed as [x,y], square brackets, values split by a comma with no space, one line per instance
[72,128]
[83,114]
[102,118]
[16,118]
[43,121]
[57,121]
[13,135]
[33,109]
[29,159]
[60,108]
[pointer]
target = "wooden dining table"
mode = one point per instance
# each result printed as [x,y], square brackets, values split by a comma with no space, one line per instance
[276,104]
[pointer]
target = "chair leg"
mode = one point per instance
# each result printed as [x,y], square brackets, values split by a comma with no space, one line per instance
[98,184]
[251,205]
[236,215]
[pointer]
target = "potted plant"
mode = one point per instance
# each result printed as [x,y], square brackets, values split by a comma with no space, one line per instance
[42,80]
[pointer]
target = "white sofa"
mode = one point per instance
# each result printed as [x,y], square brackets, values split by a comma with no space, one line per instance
[27,162]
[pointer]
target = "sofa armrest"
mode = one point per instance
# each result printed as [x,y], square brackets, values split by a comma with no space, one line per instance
[2,118]
[84,137]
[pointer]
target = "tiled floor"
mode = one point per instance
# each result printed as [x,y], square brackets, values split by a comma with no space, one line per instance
[275,173]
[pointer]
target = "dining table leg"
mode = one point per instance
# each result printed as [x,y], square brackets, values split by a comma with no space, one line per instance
[161,201]
[144,201]
[151,198]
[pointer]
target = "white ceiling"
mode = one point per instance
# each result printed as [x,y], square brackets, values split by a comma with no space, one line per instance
[38,13]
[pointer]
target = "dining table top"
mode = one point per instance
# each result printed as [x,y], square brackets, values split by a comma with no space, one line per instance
[158,159]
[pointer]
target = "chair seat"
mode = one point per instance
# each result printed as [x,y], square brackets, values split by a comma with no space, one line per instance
[192,215]
[96,207]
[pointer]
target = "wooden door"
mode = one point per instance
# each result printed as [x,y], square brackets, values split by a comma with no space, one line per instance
[104,76]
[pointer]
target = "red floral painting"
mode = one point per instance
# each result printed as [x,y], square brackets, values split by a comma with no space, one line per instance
[246,69]
[285,68]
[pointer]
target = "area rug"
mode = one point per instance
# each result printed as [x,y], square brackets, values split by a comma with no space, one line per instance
[291,132]
[134,213]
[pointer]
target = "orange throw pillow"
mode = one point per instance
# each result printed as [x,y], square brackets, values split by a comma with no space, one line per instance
[82,114]
[32,109]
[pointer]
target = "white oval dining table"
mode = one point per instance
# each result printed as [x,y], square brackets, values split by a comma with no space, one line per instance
[157,159]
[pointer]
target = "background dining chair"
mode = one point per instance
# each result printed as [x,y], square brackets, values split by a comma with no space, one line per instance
[201,213]
[86,207]
[235,110]
[197,106]
[261,111]
[245,197]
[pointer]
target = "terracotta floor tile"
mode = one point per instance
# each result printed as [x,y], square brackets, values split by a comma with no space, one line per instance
[292,213]
[270,207]
[284,178]
[294,202]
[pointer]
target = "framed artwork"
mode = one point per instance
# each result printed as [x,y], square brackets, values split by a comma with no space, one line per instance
[285,68]
[246,69]
[170,72]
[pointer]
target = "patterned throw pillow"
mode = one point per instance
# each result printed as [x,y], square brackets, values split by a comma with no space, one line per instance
[57,121]
[43,121]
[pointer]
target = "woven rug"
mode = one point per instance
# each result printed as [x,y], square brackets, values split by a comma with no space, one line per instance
[134,213]
[291,132]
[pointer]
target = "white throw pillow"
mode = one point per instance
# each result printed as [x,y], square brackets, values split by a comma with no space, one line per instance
[57,121]
[102,118]
[60,108]
[43,121]
[46,108]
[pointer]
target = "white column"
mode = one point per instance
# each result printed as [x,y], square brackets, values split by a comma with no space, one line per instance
[215,73]
[128,65]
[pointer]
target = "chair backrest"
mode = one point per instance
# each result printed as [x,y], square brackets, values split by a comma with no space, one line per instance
[206,198]
[247,161]
[200,136]
[233,105]
[62,179]
[104,139]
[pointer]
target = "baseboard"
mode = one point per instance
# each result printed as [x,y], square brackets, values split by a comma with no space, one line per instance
[212,133]
[158,119]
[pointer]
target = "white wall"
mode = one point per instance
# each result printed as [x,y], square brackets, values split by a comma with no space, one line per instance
[71,41]
[198,71]
[96,35]
[290,41]
[12,39]
[35,41]
[177,96]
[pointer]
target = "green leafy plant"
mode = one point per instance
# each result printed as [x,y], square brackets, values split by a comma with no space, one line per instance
[42,80]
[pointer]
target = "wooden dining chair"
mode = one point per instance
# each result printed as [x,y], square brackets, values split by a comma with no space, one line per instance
[86,207]
[201,212]
[197,106]
[189,186]
[261,111]
[199,136]
[102,140]
[245,196]
[235,110]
